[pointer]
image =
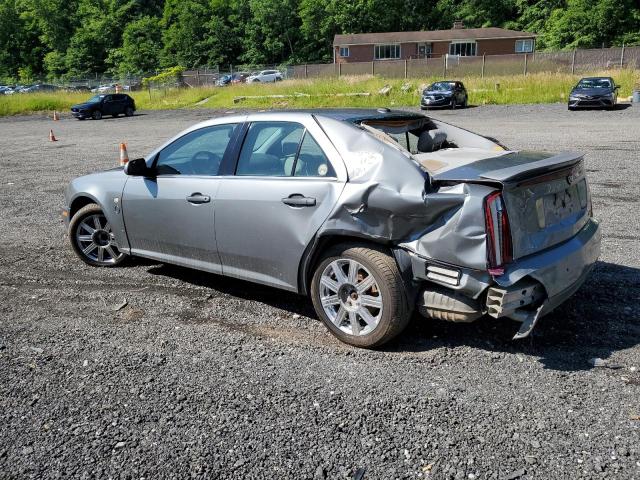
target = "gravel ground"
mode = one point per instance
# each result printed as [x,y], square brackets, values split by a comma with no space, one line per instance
[203,376]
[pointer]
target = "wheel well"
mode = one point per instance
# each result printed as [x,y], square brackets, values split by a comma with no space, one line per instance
[317,248]
[78,203]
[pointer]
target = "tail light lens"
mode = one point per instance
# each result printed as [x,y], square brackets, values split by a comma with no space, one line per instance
[499,251]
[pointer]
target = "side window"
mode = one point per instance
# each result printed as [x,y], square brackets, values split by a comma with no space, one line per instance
[108,98]
[269,149]
[197,153]
[312,162]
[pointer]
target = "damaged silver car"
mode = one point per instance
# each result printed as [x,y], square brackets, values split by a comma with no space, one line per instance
[371,213]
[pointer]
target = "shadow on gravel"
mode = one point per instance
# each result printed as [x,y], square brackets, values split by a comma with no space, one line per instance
[601,318]
[238,288]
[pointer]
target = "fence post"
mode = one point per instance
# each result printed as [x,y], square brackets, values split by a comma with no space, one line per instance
[405,68]
[373,67]
[573,62]
[306,72]
[483,60]
[622,57]
[444,65]
[339,69]
[525,64]
[197,76]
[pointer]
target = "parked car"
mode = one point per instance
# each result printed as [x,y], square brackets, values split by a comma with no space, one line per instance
[4,89]
[265,76]
[594,92]
[229,79]
[371,213]
[78,88]
[111,87]
[99,105]
[449,93]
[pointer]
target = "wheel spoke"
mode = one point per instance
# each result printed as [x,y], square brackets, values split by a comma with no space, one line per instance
[107,227]
[342,313]
[365,284]
[100,254]
[353,272]
[89,248]
[355,323]
[85,238]
[330,300]
[96,222]
[329,283]
[110,251]
[337,271]
[87,227]
[369,319]
[371,301]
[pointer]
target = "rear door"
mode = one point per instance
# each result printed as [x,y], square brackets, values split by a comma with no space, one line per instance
[287,180]
[170,216]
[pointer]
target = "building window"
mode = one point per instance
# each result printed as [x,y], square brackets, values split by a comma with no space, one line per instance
[464,49]
[386,52]
[344,51]
[524,46]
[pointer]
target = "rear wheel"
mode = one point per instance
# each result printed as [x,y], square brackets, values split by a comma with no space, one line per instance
[128,112]
[92,238]
[96,115]
[359,294]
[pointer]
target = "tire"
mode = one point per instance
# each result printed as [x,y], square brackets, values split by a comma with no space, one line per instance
[466,102]
[453,104]
[386,289]
[128,112]
[96,115]
[81,238]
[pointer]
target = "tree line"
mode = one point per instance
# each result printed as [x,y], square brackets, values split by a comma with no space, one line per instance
[75,38]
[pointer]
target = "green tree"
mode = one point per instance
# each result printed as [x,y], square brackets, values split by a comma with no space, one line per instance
[141,47]
[185,32]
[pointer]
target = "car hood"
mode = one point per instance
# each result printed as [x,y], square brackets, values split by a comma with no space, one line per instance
[83,106]
[591,91]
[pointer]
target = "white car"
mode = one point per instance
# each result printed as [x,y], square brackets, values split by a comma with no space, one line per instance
[265,76]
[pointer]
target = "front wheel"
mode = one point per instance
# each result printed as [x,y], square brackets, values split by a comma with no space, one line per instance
[92,238]
[97,115]
[128,112]
[359,294]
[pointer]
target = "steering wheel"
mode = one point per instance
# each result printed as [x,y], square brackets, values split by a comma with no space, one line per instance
[205,163]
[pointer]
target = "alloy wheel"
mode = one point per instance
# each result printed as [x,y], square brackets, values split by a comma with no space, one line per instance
[350,297]
[96,241]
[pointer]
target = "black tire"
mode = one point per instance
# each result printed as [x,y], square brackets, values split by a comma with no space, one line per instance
[96,115]
[453,104]
[74,224]
[466,102]
[128,112]
[379,262]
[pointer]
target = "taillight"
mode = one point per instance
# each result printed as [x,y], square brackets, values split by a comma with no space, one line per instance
[499,251]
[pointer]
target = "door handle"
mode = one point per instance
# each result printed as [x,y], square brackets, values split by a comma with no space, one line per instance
[299,200]
[197,198]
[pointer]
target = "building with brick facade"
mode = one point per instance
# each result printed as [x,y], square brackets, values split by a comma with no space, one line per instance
[366,47]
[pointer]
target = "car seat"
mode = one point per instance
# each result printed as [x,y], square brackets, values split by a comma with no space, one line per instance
[431,140]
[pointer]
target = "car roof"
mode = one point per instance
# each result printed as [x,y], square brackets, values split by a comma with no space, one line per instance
[356,115]
[597,78]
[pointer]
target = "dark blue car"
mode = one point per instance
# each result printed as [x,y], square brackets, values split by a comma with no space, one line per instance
[448,93]
[594,92]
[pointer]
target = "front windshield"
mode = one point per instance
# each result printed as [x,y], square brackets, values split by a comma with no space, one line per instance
[594,83]
[440,87]
[95,99]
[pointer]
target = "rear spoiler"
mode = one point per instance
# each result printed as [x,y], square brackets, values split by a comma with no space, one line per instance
[508,168]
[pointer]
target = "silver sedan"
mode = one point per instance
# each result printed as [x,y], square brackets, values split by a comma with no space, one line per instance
[371,213]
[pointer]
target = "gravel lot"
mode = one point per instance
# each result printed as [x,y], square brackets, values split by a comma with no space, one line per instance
[203,376]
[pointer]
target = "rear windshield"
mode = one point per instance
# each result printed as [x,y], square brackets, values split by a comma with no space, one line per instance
[404,132]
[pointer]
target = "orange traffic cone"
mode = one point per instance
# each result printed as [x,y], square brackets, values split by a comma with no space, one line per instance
[124,156]
[52,137]
[55,116]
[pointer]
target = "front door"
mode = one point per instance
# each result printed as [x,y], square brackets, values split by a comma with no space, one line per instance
[283,190]
[170,215]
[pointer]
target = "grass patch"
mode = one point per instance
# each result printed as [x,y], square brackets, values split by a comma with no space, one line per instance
[517,89]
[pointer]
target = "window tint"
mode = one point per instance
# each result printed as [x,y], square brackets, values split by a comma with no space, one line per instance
[197,153]
[312,162]
[269,149]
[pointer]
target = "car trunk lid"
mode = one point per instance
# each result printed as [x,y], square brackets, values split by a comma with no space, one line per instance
[546,195]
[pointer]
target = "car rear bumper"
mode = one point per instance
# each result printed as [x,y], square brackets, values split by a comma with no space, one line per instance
[530,288]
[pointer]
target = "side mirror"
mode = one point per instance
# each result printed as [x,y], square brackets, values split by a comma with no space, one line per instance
[137,167]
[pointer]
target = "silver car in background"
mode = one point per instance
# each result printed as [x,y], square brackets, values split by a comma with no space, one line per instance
[371,213]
